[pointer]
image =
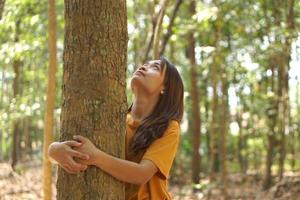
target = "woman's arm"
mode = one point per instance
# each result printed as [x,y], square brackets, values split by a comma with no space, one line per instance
[127,171]
[62,154]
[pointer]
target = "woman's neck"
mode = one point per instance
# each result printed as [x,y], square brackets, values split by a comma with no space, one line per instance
[142,107]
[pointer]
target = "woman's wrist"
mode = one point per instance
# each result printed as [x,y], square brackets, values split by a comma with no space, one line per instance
[96,156]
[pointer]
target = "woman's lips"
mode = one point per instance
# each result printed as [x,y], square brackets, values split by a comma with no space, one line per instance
[140,72]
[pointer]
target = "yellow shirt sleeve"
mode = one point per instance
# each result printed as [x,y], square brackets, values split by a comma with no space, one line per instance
[163,150]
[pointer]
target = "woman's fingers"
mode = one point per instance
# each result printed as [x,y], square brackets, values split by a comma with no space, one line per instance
[72,143]
[68,169]
[79,154]
[73,168]
[77,166]
[80,138]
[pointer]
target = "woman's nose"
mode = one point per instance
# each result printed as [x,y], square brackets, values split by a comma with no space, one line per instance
[143,68]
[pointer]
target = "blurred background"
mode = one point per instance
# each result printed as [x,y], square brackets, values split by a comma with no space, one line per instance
[240,63]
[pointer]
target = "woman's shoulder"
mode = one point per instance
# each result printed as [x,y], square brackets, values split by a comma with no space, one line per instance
[173,123]
[173,127]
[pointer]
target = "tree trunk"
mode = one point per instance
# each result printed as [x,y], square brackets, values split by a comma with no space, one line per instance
[207,127]
[27,139]
[224,131]
[93,92]
[156,38]
[293,140]
[2,2]
[16,136]
[151,37]
[281,114]
[214,127]
[272,119]
[49,106]
[15,146]
[241,143]
[283,87]
[196,121]
[170,26]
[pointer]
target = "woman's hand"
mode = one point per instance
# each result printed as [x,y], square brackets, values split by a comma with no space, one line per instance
[88,148]
[64,154]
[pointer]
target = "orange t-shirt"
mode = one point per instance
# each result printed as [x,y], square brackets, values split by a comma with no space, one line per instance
[162,153]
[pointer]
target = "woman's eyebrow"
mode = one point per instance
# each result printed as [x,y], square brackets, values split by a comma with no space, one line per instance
[157,63]
[159,67]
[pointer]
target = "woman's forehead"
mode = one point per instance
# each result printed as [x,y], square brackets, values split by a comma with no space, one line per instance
[154,62]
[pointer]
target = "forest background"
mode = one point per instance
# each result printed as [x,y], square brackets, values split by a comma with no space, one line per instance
[239,60]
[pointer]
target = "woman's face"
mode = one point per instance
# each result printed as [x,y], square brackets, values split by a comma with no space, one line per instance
[149,78]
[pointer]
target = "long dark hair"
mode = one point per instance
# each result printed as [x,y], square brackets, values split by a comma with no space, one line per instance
[169,107]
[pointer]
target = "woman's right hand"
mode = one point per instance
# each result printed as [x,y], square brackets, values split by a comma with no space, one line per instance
[64,155]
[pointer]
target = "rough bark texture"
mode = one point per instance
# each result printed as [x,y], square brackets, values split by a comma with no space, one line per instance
[48,118]
[93,92]
[196,121]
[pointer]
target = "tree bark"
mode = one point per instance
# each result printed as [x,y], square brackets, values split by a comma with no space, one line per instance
[2,3]
[16,86]
[156,38]
[272,120]
[281,115]
[170,26]
[214,127]
[151,37]
[241,143]
[294,140]
[93,91]
[196,121]
[49,106]
[224,131]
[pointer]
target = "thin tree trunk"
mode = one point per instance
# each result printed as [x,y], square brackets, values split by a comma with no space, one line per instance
[293,140]
[224,132]
[170,26]
[207,133]
[15,142]
[27,139]
[240,143]
[156,38]
[150,42]
[282,107]
[283,89]
[196,121]
[16,67]
[49,106]
[214,127]
[2,3]
[272,116]
[94,92]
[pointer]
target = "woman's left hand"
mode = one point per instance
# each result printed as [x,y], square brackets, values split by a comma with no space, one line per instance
[87,147]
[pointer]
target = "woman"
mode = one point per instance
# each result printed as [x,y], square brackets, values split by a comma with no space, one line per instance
[152,135]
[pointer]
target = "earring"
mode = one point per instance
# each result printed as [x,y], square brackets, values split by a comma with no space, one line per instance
[162,92]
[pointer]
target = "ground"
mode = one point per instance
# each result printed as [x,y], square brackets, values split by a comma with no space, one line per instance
[26,184]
